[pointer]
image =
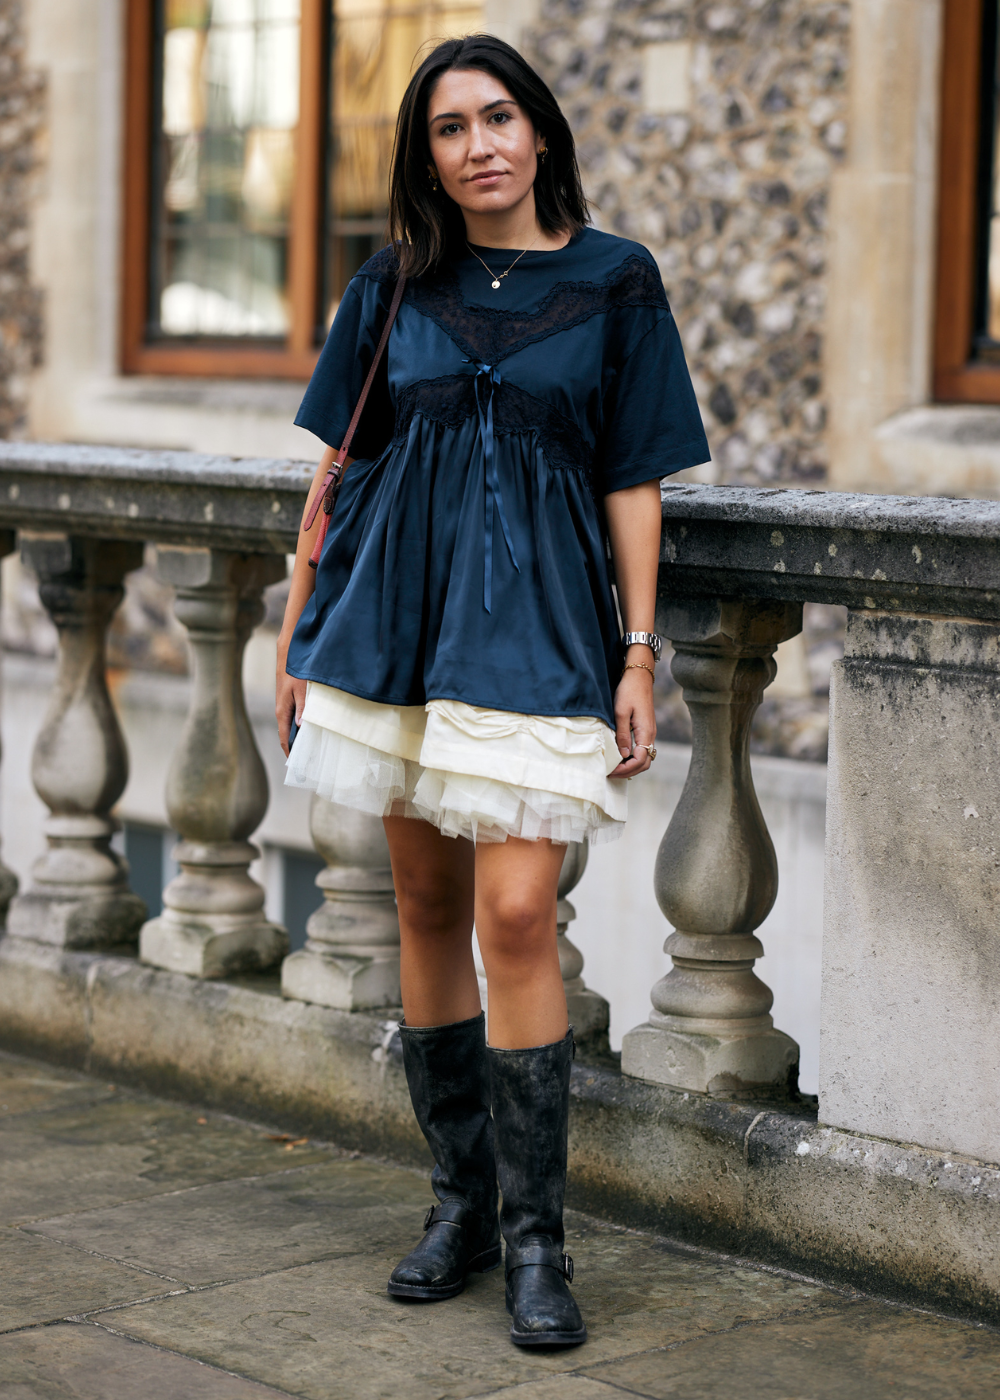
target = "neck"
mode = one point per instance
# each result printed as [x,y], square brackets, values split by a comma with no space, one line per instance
[517,227]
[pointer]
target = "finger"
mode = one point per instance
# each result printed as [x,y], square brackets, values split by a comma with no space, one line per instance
[629,767]
[640,752]
[623,734]
[284,718]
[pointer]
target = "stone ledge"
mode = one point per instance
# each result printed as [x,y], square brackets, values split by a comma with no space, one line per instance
[187,498]
[900,553]
[943,447]
[760,1181]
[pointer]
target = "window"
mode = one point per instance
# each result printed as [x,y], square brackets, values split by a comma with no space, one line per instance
[967,331]
[258,139]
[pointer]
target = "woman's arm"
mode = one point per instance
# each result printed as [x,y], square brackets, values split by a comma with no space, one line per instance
[634,516]
[291,692]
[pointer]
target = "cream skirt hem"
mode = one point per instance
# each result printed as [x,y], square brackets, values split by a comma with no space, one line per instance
[481,774]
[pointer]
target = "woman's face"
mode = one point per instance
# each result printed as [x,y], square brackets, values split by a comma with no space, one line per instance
[484,147]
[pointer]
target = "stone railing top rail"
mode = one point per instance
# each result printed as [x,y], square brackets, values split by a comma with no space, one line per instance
[901,553]
[244,503]
[904,553]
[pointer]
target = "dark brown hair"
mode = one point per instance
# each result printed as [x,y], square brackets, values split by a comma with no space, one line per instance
[425,226]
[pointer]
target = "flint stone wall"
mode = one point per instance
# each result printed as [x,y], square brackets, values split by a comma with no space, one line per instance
[709,132]
[22,108]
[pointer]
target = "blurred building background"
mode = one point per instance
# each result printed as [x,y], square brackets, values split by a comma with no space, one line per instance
[187,186]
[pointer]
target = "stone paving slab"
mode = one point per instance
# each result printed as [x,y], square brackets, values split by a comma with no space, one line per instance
[175,1252]
[859,1350]
[353,1342]
[84,1362]
[40,1282]
[28,1086]
[124,1147]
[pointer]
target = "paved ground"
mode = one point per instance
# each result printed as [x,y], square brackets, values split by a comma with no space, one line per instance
[150,1251]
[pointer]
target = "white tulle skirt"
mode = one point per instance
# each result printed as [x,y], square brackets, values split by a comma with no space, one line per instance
[481,774]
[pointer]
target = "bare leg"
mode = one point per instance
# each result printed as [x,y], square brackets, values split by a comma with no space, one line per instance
[515,894]
[434,877]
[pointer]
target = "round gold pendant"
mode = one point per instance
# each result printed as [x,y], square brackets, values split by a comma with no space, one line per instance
[496,285]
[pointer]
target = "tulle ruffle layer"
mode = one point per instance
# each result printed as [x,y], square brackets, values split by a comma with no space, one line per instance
[461,768]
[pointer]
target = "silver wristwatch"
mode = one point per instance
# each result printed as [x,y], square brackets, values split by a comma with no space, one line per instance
[646,639]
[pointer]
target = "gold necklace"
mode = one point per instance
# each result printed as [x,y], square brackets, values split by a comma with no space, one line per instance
[498,277]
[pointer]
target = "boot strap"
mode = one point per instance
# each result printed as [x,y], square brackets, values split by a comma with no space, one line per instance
[448,1213]
[548,1255]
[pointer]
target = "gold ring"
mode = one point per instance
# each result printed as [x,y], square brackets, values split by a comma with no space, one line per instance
[651,751]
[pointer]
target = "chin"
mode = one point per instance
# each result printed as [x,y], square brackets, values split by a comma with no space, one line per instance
[492,201]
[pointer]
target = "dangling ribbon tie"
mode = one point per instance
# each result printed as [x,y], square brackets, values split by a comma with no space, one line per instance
[487,381]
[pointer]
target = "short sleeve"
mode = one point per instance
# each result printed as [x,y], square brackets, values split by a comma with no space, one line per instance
[342,368]
[651,421]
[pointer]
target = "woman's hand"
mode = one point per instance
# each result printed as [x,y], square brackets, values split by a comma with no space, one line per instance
[290,693]
[635,722]
[633,516]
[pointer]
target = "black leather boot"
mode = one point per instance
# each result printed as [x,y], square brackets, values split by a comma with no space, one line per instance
[531,1113]
[448,1078]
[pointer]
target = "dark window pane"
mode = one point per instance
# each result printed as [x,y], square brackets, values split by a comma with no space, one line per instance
[302,898]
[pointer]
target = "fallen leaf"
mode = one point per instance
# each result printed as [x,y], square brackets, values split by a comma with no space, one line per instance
[202,1121]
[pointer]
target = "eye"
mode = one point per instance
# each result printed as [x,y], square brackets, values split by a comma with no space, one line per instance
[501,118]
[449,129]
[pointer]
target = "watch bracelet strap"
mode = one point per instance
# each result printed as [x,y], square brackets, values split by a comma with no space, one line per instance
[646,639]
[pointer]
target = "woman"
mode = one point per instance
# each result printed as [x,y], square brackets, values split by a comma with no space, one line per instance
[455,663]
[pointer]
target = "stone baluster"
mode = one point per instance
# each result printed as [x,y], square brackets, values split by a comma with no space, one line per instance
[213,920]
[351,957]
[716,874]
[79,895]
[589,1012]
[8,880]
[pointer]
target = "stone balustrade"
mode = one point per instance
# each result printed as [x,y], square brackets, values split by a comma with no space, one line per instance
[911,958]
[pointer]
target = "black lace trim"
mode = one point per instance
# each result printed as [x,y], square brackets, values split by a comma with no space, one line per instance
[382,266]
[451,401]
[489,334]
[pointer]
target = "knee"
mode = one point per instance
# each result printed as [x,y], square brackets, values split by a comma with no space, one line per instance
[516,930]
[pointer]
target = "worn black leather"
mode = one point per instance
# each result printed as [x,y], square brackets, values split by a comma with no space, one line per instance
[531,1111]
[448,1077]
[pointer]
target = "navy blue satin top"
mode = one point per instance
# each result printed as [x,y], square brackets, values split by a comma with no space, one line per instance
[466,557]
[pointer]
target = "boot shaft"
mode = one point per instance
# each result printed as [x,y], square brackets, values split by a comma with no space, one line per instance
[447,1073]
[530,1090]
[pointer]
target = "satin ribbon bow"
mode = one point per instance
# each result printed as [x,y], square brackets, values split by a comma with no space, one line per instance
[487,380]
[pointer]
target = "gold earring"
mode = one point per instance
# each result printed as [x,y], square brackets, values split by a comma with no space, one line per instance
[542,154]
[435,185]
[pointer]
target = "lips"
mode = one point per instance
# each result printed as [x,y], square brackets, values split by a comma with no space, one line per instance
[487,178]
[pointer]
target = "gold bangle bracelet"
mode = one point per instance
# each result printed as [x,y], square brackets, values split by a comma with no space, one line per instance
[639,666]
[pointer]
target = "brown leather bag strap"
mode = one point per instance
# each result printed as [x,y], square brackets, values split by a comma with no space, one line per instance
[333,475]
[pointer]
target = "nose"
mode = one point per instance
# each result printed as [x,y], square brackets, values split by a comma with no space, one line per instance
[481,142]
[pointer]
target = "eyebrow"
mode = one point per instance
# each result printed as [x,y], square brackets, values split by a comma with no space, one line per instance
[500,102]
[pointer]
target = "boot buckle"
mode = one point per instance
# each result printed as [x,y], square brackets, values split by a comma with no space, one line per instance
[568,1268]
[429,1218]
